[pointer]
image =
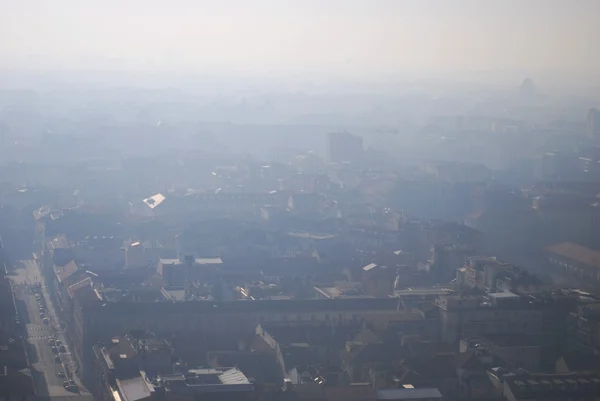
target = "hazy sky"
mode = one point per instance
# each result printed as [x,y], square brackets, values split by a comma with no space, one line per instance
[347,36]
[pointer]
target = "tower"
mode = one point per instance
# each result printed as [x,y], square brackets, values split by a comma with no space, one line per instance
[527,88]
[593,123]
[344,147]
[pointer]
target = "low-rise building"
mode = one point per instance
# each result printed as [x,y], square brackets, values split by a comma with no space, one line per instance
[556,387]
[517,350]
[576,263]
[177,272]
[205,385]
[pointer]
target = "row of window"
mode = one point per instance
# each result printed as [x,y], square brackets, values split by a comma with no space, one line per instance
[591,273]
[561,263]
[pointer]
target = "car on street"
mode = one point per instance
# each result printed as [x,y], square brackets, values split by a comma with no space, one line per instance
[70,385]
[60,374]
[62,348]
[42,315]
[46,321]
[59,343]
[57,359]
[51,341]
[54,349]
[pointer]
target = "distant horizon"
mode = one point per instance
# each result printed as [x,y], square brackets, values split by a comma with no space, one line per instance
[164,76]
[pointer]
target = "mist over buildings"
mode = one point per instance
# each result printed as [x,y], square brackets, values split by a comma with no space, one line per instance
[273,200]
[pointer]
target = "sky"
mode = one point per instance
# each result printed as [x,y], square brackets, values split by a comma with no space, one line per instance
[363,38]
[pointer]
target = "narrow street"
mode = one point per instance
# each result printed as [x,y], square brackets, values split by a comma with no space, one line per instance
[52,366]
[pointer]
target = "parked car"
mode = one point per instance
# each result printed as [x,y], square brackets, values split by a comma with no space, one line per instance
[57,359]
[61,374]
[51,341]
[62,348]
[54,349]
[58,343]
[46,321]
[43,315]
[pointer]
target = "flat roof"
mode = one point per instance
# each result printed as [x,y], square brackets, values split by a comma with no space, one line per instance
[154,200]
[134,389]
[504,295]
[408,393]
[370,266]
[311,235]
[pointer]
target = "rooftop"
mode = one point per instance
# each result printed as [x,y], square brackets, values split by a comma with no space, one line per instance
[134,389]
[197,261]
[154,200]
[314,236]
[207,380]
[63,272]
[370,266]
[342,290]
[578,253]
[554,386]
[512,340]
[503,295]
[409,394]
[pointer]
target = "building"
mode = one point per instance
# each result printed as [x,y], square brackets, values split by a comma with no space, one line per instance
[177,272]
[458,172]
[490,274]
[552,387]
[341,289]
[585,363]
[517,350]
[205,385]
[305,353]
[467,317]
[575,262]
[527,88]
[125,362]
[593,123]
[583,328]
[409,393]
[345,147]
[16,382]
[220,322]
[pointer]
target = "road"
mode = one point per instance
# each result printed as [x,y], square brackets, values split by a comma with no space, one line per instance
[27,282]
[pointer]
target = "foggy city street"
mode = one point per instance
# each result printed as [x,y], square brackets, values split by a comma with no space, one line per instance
[285,200]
